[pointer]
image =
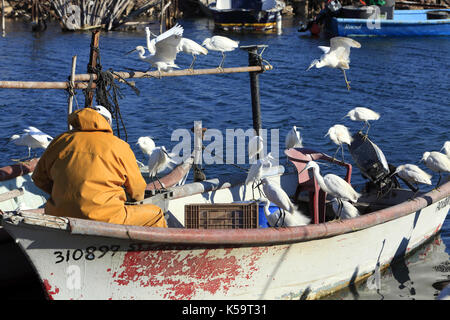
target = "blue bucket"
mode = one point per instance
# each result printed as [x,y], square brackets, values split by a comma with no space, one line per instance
[262,217]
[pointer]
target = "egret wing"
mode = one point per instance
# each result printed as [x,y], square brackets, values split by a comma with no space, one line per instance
[167,43]
[339,186]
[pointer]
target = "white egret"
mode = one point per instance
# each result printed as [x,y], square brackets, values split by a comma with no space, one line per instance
[293,139]
[151,44]
[255,146]
[158,161]
[344,209]
[191,47]
[363,114]
[339,134]
[165,49]
[446,148]
[337,55]
[437,162]
[221,44]
[333,184]
[33,138]
[278,219]
[146,144]
[276,195]
[257,171]
[413,174]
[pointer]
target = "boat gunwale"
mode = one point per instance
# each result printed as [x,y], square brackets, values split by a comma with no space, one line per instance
[181,237]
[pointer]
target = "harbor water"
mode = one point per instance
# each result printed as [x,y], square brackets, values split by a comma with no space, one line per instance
[404,79]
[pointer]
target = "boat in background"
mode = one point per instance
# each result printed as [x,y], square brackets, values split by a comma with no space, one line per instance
[404,23]
[348,21]
[247,15]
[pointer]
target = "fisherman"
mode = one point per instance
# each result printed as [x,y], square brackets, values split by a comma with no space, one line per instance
[88,173]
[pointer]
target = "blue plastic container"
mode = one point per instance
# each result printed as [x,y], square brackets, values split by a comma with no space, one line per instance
[262,217]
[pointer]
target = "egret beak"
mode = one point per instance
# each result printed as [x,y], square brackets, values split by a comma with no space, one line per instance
[130,51]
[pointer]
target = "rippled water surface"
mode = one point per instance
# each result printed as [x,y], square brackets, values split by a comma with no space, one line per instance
[404,79]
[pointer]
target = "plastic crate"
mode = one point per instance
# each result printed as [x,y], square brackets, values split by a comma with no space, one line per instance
[221,216]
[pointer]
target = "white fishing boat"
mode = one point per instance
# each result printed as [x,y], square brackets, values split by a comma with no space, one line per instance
[84,259]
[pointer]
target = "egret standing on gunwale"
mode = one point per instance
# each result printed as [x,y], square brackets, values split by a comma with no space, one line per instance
[222,44]
[413,174]
[437,162]
[337,55]
[33,138]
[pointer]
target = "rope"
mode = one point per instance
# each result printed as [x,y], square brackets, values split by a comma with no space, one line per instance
[107,91]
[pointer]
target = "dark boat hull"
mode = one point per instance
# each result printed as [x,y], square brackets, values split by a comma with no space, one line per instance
[245,19]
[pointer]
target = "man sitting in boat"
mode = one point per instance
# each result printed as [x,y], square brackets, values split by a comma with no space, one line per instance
[87,171]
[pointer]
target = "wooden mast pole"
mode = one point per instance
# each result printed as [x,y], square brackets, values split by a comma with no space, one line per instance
[92,65]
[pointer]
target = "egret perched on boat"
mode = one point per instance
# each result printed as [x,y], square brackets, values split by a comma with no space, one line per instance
[446,148]
[293,139]
[333,184]
[33,138]
[158,161]
[165,49]
[413,174]
[437,162]
[275,194]
[337,55]
[256,171]
[344,209]
[221,44]
[280,219]
[339,134]
[191,47]
[146,144]
[363,114]
[255,146]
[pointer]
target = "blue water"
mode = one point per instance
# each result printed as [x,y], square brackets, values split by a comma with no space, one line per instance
[404,79]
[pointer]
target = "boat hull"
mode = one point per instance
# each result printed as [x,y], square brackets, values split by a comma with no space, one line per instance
[405,23]
[80,259]
[245,19]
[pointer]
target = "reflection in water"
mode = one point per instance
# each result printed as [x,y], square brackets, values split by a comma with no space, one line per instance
[409,278]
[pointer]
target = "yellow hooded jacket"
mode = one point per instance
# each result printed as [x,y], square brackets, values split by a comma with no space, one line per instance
[87,170]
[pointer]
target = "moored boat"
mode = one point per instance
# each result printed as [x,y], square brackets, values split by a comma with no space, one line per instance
[246,15]
[404,23]
[83,259]
[336,20]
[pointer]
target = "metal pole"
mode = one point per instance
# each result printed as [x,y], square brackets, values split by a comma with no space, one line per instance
[72,83]
[92,64]
[253,60]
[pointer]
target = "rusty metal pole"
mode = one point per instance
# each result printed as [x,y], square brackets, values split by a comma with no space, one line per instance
[92,64]
[254,60]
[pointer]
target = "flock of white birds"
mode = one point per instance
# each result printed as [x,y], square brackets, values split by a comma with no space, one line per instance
[162,53]
[163,49]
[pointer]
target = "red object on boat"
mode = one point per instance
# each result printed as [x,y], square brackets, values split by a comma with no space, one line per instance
[299,158]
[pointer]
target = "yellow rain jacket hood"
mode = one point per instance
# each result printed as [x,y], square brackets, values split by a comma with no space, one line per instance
[87,170]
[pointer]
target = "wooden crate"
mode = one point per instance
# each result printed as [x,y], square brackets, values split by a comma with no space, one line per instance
[221,216]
